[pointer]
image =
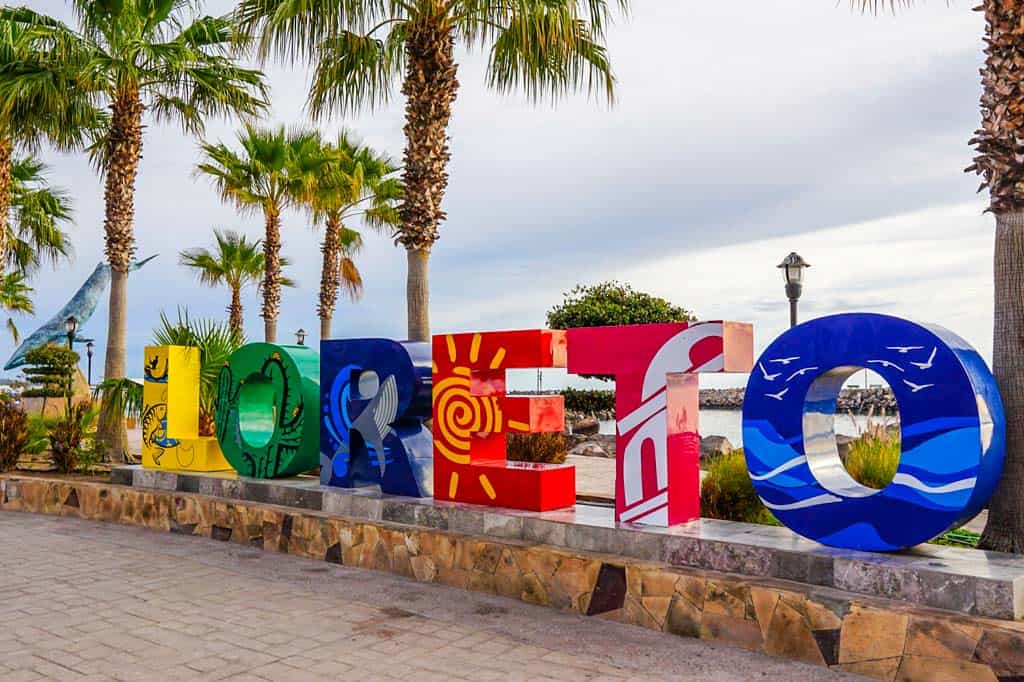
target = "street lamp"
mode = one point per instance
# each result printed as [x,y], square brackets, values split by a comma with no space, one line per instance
[70,327]
[88,353]
[793,267]
[300,337]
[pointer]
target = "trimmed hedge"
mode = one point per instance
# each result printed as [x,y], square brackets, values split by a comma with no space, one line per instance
[588,401]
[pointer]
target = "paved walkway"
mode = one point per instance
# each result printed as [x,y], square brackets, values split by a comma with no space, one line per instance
[86,600]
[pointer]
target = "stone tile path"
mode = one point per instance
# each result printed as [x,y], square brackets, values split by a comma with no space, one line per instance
[85,600]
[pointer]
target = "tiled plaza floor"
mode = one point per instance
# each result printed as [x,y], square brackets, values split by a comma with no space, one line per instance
[81,600]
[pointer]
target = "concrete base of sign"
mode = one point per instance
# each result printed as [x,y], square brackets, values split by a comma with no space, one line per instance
[536,558]
[962,580]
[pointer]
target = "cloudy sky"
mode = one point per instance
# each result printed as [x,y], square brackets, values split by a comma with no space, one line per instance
[743,131]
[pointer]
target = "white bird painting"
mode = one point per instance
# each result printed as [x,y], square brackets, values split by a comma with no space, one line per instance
[786,361]
[767,376]
[777,396]
[929,363]
[914,388]
[903,350]
[801,372]
[886,363]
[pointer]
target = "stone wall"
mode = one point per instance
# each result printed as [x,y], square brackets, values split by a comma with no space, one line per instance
[823,626]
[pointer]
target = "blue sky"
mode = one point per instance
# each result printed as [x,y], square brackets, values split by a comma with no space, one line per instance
[743,131]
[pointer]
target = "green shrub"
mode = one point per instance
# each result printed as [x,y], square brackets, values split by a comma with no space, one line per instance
[39,433]
[728,493]
[67,439]
[611,304]
[582,401]
[873,458]
[543,448]
[13,434]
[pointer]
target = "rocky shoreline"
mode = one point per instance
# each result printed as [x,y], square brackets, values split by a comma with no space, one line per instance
[878,401]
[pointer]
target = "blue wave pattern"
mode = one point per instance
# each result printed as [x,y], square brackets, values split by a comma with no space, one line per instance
[952,430]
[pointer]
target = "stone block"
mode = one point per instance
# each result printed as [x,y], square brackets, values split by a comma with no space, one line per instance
[503,525]
[925,669]
[942,638]
[337,502]
[883,669]
[789,635]
[543,531]
[872,634]
[733,631]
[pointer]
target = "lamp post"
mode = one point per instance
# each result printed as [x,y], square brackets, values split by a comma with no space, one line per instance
[70,327]
[300,337]
[88,354]
[793,267]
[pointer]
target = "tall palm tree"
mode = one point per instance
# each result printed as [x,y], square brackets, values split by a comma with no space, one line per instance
[139,55]
[362,47]
[361,184]
[234,261]
[39,101]
[33,225]
[999,160]
[275,170]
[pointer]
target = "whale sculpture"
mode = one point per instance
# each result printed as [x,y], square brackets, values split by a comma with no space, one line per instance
[82,305]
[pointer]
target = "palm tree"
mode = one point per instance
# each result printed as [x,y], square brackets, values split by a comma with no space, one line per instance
[36,212]
[139,55]
[999,160]
[15,297]
[39,101]
[275,170]
[360,49]
[360,184]
[234,261]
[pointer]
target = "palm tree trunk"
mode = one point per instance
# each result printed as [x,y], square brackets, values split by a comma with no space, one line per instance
[6,152]
[417,294]
[1004,531]
[235,311]
[329,276]
[124,148]
[430,87]
[271,274]
[998,160]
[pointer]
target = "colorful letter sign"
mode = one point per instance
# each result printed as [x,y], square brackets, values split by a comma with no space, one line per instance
[268,408]
[375,395]
[656,407]
[472,414]
[951,419]
[170,413]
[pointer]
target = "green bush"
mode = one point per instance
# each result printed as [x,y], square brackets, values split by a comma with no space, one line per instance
[728,493]
[874,457]
[582,401]
[39,433]
[611,304]
[13,434]
[67,439]
[543,448]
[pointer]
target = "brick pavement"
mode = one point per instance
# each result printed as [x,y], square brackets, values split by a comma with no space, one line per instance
[86,600]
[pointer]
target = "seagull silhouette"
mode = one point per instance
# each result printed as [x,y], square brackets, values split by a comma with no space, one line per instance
[929,363]
[801,372]
[767,376]
[786,361]
[903,350]
[886,363]
[914,388]
[777,396]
